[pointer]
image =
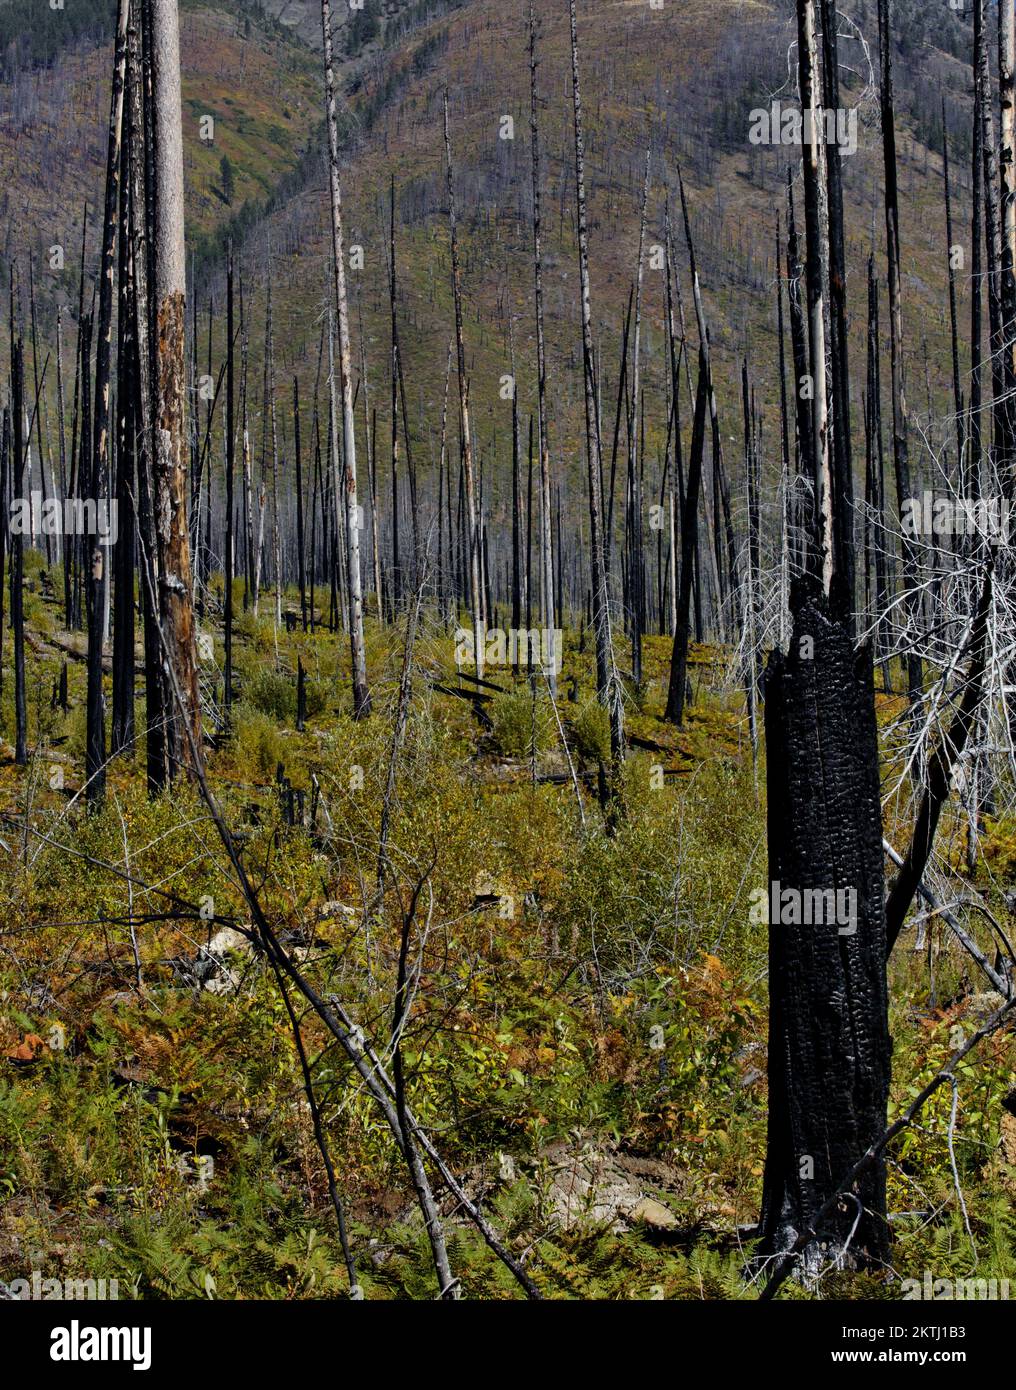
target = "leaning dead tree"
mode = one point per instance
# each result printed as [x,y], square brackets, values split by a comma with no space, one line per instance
[829,1044]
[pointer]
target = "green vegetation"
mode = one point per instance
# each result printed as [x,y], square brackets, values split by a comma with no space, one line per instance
[582,997]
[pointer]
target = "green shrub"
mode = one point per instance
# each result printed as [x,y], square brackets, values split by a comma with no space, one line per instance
[591,732]
[517,725]
[270,693]
[257,740]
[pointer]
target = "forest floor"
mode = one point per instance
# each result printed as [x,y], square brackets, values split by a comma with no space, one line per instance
[587,1037]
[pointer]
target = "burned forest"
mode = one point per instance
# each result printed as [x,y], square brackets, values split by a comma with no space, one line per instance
[507,657]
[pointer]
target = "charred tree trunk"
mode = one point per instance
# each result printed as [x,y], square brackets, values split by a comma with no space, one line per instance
[301,559]
[95,734]
[18,559]
[6,472]
[829,1043]
[689,543]
[141,181]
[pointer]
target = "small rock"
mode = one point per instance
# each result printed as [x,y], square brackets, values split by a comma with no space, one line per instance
[654,1215]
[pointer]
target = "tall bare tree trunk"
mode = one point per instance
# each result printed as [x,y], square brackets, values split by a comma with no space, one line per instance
[901,457]
[842,469]
[546,535]
[228,559]
[361,693]
[274,426]
[953,322]
[95,736]
[829,1048]
[176,590]
[473,534]
[122,730]
[17,557]
[971,483]
[635,607]
[1007,219]
[607,683]
[815,276]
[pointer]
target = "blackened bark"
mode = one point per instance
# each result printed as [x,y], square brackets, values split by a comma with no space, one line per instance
[95,735]
[689,542]
[5,474]
[301,561]
[138,143]
[17,561]
[829,1043]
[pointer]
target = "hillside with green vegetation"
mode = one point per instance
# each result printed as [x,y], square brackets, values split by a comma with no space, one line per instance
[587,1034]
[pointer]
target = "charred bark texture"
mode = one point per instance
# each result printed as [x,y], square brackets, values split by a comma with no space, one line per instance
[829,1044]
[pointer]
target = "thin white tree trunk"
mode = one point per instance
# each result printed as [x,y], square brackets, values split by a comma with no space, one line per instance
[361,693]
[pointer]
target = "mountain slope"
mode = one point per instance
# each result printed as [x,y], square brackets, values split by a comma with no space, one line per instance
[698,72]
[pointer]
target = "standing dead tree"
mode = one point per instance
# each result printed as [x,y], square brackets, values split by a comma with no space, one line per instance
[608,683]
[829,1045]
[169,384]
[472,539]
[546,535]
[18,555]
[901,454]
[348,491]
[95,736]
